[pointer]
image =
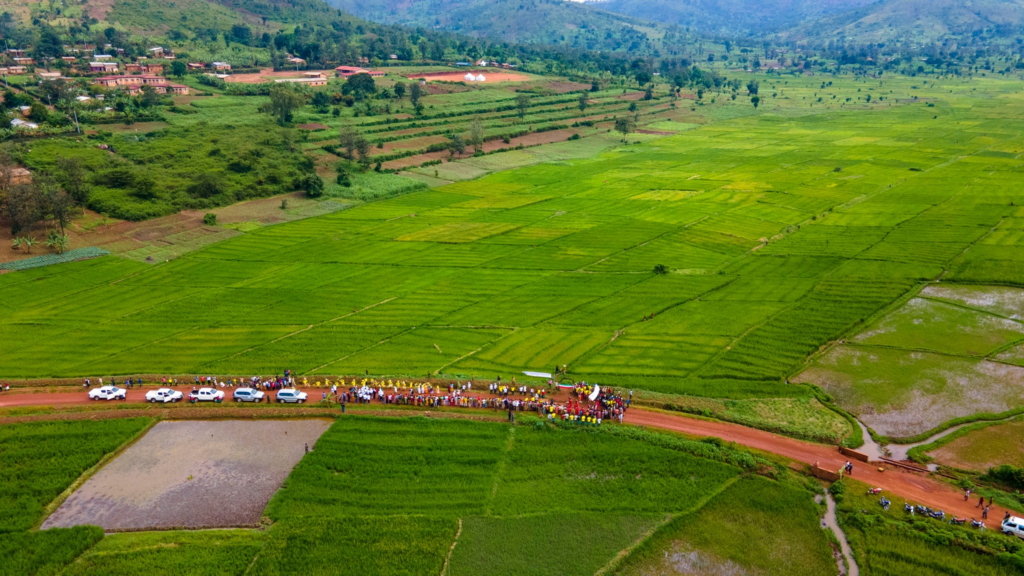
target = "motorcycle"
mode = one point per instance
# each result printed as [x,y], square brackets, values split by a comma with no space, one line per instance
[938,515]
[874,491]
[977,524]
[958,521]
[885,503]
[908,508]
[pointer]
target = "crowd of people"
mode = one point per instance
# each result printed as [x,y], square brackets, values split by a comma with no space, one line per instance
[586,404]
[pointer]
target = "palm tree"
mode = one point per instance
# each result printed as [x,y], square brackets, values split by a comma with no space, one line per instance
[59,242]
[28,243]
[16,244]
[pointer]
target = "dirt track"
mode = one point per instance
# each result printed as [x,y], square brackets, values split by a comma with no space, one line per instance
[916,488]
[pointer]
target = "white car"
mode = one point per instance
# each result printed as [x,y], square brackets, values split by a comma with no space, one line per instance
[1014,526]
[291,395]
[248,395]
[108,393]
[164,395]
[206,395]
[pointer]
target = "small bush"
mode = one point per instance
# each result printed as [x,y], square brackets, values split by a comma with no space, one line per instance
[210,219]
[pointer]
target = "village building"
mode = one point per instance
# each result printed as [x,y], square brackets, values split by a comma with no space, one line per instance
[308,81]
[103,66]
[24,61]
[346,71]
[19,123]
[220,66]
[133,84]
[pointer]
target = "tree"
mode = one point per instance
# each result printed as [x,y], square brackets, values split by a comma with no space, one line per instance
[38,112]
[752,87]
[350,141]
[55,204]
[649,92]
[755,100]
[632,106]
[359,85]
[204,185]
[476,135]
[149,96]
[241,33]
[582,102]
[59,242]
[312,184]
[625,126]
[283,102]
[321,101]
[661,269]
[455,145]
[363,150]
[178,68]
[594,87]
[22,207]
[643,77]
[522,104]
[399,90]
[415,91]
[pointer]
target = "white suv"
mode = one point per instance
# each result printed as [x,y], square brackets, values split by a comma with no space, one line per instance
[1014,526]
[163,395]
[291,395]
[108,393]
[206,395]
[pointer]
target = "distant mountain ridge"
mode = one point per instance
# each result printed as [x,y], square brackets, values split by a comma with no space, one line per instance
[730,17]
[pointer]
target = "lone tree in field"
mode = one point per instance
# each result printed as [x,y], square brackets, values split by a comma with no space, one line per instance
[414,94]
[582,102]
[661,269]
[399,90]
[359,85]
[283,102]
[522,104]
[476,135]
[455,145]
[752,87]
[624,126]
[755,100]
[178,68]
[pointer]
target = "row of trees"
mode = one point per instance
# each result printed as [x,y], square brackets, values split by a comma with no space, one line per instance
[48,199]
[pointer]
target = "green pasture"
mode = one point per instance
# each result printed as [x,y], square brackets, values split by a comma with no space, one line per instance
[979,449]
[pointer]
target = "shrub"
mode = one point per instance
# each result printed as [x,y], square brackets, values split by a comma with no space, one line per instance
[210,219]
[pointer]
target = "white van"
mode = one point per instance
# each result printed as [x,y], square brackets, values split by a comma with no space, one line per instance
[1014,526]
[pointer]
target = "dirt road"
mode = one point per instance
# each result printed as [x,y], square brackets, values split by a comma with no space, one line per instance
[916,488]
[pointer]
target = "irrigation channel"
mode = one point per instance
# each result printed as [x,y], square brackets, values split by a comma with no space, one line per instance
[829,522]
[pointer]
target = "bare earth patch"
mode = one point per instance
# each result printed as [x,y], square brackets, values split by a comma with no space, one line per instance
[1000,300]
[191,474]
[683,559]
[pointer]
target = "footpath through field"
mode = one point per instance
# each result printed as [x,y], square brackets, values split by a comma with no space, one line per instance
[914,487]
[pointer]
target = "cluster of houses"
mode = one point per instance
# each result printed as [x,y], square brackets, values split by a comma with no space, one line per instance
[347,71]
[491,64]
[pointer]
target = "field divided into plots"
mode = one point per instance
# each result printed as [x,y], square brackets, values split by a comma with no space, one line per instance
[780,233]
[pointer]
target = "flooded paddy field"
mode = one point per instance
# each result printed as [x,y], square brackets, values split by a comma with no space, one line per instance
[192,474]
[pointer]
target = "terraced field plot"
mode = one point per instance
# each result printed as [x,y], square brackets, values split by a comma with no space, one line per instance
[952,351]
[780,232]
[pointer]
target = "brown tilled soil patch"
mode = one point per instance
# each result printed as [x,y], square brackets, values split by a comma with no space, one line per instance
[313,126]
[986,448]
[99,9]
[192,474]
[527,140]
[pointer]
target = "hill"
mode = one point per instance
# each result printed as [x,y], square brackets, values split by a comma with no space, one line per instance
[916,22]
[524,21]
[729,17]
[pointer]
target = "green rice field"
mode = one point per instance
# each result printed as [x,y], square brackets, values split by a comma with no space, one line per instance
[430,496]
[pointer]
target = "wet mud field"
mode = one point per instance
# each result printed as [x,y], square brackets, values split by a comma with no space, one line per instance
[192,474]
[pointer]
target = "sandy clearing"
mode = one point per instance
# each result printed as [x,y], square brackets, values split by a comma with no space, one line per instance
[192,474]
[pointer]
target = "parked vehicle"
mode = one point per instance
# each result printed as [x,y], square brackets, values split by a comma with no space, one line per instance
[291,395]
[1014,526]
[164,395]
[248,395]
[108,393]
[206,395]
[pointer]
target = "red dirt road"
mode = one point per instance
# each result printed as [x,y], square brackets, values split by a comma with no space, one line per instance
[914,487]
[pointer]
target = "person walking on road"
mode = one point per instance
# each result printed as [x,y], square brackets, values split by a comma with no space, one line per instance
[981,502]
[984,513]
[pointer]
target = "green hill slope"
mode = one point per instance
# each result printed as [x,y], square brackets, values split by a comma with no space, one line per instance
[524,21]
[917,21]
